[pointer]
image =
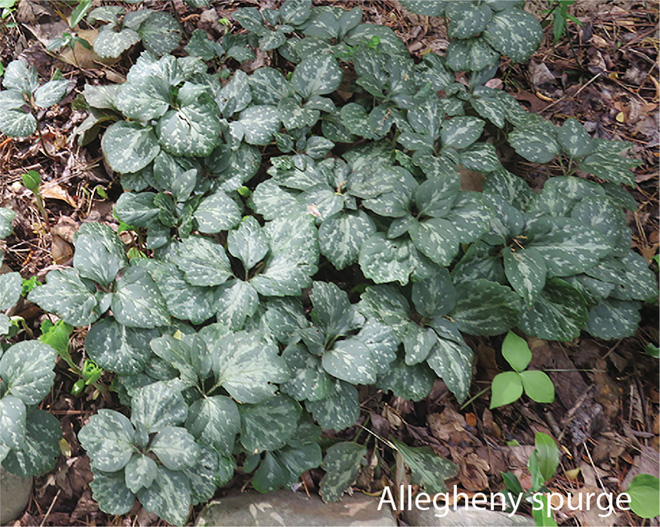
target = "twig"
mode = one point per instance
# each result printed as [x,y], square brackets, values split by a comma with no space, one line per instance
[52,504]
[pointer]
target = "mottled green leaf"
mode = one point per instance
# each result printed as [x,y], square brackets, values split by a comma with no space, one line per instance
[158,406]
[268,425]
[318,75]
[11,285]
[246,365]
[514,33]
[168,496]
[341,463]
[140,472]
[12,422]
[217,212]
[108,438]
[428,469]
[68,297]
[526,271]
[559,313]
[100,254]
[485,308]
[337,411]
[215,421]
[129,147]
[137,302]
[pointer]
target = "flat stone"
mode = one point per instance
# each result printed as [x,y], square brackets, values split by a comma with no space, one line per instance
[14,495]
[465,517]
[286,508]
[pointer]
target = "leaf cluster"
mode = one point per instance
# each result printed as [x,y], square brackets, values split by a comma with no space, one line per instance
[23,96]
[257,191]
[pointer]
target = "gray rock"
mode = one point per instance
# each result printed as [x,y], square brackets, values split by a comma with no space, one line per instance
[286,508]
[464,517]
[14,495]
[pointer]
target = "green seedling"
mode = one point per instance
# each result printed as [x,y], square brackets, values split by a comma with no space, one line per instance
[509,386]
[32,182]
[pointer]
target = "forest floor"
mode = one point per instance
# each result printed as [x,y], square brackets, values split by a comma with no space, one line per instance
[602,71]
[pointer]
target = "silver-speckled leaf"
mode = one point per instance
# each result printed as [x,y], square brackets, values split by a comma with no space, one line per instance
[461,132]
[480,157]
[318,75]
[140,472]
[211,471]
[428,469]
[574,139]
[248,243]
[129,147]
[435,296]
[21,76]
[514,33]
[350,360]
[425,7]
[192,130]
[467,19]
[614,319]
[471,55]
[567,246]
[12,422]
[259,123]
[437,239]
[215,421]
[40,449]
[11,285]
[100,254]
[485,308]
[68,297]
[217,212]
[610,166]
[293,256]
[202,261]
[160,33]
[308,379]
[386,305]
[110,44]
[50,93]
[452,362]
[272,201]
[381,341]
[175,448]
[342,463]
[536,143]
[608,219]
[270,424]
[26,369]
[236,301]
[144,98]
[526,271]
[559,313]
[408,382]
[137,301]
[157,406]
[246,365]
[384,260]
[341,236]
[332,310]
[168,496]
[6,217]
[117,348]
[17,123]
[418,343]
[339,410]
[184,301]
[109,490]
[631,275]
[108,438]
